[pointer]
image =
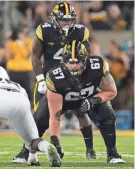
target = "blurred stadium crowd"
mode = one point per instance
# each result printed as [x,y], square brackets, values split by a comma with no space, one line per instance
[22,17]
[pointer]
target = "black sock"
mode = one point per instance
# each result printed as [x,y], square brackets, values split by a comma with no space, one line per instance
[88,136]
[108,132]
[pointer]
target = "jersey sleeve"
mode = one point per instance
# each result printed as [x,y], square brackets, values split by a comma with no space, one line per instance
[49,83]
[39,32]
[86,34]
[105,68]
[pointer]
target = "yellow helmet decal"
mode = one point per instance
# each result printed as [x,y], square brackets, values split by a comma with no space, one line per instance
[55,10]
[49,83]
[66,8]
[39,32]
[64,50]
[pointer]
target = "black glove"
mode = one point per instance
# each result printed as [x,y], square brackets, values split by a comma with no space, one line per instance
[88,103]
[85,106]
[55,142]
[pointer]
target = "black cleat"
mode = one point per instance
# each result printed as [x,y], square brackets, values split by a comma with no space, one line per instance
[35,164]
[22,157]
[114,157]
[91,154]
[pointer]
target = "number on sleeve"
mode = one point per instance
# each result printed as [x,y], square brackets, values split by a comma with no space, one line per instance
[79,26]
[46,25]
[59,74]
[95,63]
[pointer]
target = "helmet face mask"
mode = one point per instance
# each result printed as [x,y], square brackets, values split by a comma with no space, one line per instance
[74,58]
[63,18]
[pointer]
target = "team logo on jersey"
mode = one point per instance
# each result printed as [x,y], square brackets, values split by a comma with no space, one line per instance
[51,43]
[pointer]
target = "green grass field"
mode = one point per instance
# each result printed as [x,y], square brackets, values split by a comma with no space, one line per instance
[74,153]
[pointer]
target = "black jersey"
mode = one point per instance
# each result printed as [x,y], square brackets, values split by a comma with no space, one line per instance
[74,90]
[52,43]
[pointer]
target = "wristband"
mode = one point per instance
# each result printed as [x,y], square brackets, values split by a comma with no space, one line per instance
[95,100]
[40,77]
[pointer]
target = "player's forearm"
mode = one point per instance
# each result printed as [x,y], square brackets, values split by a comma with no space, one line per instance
[106,96]
[37,65]
[54,124]
[36,57]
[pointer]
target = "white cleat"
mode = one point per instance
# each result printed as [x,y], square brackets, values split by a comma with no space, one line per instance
[19,160]
[116,161]
[53,156]
[33,160]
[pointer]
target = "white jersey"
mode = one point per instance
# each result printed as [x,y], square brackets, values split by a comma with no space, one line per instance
[8,85]
[15,107]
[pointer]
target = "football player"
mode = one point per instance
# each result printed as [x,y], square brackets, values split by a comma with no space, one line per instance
[83,84]
[15,107]
[49,42]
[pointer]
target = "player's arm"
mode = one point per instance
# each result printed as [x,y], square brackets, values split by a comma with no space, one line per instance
[36,60]
[107,86]
[36,56]
[55,103]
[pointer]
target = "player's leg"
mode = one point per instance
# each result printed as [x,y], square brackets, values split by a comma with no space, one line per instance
[86,129]
[41,117]
[106,121]
[24,124]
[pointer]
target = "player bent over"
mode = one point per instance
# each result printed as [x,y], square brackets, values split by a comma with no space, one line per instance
[15,107]
[74,85]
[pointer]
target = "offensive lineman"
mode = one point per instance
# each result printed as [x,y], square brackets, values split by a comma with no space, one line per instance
[73,85]
[15,107]
[49,42]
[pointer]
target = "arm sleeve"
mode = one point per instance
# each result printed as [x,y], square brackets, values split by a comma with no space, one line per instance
[49,83]
[105,68]
[86,34]
[39,33]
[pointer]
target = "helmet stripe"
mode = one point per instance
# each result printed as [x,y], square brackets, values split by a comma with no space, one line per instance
[66,8]
[73,49]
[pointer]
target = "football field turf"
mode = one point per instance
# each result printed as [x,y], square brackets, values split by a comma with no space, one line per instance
[74,153]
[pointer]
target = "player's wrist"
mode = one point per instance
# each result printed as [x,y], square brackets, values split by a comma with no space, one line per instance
[40,77]
[95,100]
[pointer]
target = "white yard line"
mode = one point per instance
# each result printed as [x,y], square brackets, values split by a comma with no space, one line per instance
[99,154]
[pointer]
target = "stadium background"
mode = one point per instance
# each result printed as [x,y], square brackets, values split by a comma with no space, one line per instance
[111,34]
[111,29]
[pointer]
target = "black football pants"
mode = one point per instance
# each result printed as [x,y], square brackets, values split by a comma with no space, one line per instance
[103,115]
